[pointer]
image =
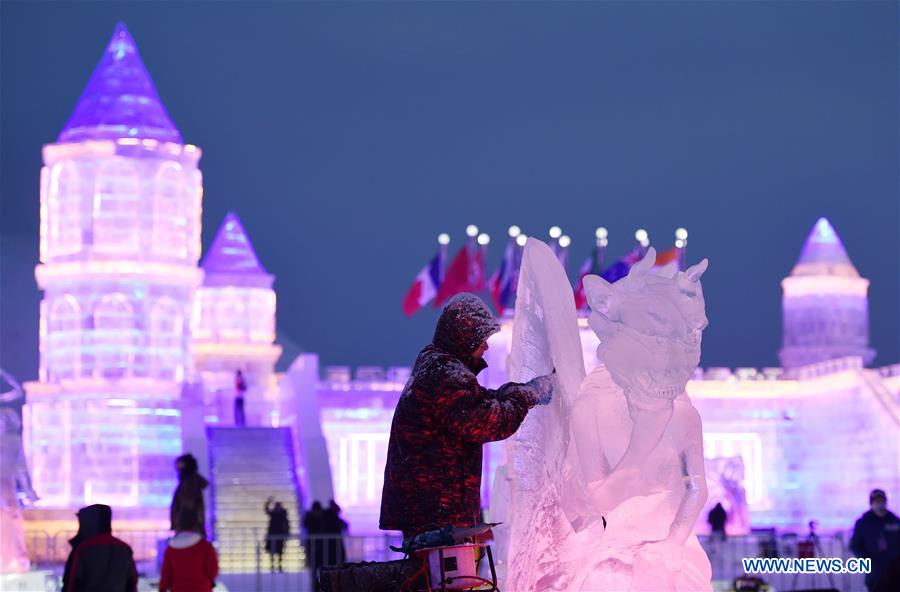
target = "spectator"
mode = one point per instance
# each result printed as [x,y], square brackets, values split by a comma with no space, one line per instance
[240,387]
[315,543]
[334,527]
[98,562]
[876,535]
[188,510]
[190,563]
[717,518]
[279,529]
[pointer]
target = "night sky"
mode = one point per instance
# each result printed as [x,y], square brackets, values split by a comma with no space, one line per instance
[348,135]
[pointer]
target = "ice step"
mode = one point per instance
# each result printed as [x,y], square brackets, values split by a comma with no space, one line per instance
[247,466]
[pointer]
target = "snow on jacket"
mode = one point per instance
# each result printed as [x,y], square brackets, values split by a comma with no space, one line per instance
[189,564]
[99,562]
[433,472]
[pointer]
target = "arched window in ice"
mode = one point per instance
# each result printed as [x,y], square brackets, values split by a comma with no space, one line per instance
[166,330]
[64,338]
[63,211]
[117,208]
[115,336]
[170,222]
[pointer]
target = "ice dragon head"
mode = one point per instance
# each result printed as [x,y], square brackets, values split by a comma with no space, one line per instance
[649,324]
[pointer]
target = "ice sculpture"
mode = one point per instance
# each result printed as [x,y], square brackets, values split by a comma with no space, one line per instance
[602,488]
[14,480]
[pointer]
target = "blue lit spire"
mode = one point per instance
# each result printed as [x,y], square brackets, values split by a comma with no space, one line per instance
[120,100]
[231,259]
[823,253]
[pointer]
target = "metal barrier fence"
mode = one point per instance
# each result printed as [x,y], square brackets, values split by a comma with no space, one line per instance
[725,558]
[44,548]
[259,571]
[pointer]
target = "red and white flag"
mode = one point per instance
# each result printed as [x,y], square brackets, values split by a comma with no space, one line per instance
[465,274]
[425,287]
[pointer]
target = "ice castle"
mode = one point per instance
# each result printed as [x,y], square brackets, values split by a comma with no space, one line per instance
[139,342]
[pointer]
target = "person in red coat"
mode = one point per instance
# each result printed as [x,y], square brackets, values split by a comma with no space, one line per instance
[190,563]
[432,477]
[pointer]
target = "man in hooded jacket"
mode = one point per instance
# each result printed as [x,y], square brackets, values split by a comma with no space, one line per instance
[432,477]
[98,562]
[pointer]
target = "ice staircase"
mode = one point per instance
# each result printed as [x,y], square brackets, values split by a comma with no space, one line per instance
[890,401]
[247,466]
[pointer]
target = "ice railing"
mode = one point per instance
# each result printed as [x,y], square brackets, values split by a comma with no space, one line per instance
[889,371]
[395,377]
[828,367]
[365,378]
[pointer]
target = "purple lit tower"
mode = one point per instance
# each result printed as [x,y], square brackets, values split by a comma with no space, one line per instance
[120,239]
[825,304]
[234,328]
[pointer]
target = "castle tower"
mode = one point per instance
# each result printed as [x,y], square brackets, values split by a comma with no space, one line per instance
[119,244]
[234,328]
[825,304]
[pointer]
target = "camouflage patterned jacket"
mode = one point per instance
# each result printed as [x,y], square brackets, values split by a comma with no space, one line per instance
[433,473]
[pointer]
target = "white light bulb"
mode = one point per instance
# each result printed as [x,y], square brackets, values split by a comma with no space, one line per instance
[472,230]
[679,244]
[681,234]
[565,241]
[514,231]
[641,235]
[483,239]
[521,240]
[555,232]
[444,238]
[601,233]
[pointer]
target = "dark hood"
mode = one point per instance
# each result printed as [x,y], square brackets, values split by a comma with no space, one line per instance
[465,324]
[92,520]
[194,481]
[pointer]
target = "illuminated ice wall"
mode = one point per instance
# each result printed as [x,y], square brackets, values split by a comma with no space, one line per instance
[119,243]
[234,328]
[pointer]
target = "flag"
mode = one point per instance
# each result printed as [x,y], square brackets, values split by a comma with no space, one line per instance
[425,287]
[666,257]
[591,265]
[620,268]
[465,273]
[502,284]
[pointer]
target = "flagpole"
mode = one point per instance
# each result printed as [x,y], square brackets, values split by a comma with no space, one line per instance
[443,242]
[472,243]
[483,240]
[471,238]
[681,235]
[555,233]
[602,240]
[564,242]
[643,240]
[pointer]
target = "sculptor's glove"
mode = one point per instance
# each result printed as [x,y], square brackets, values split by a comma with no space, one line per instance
[543,387]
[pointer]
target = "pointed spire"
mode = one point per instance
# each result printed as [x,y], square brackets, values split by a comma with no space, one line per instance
[823,253]
[231,260]
[120,100]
